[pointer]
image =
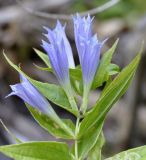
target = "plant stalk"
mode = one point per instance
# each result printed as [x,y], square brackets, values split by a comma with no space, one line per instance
[76,140]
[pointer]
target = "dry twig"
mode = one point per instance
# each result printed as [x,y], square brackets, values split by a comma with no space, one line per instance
[66,16]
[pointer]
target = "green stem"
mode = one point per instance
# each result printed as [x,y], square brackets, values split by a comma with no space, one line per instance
[84,103]
[73,104]
[76,140]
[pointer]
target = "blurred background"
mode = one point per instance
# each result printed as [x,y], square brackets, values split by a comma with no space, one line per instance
[20,31]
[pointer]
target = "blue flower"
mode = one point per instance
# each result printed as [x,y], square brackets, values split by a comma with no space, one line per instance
[61,58]
[56,37]
[59,52]
[89,49]
[28,93]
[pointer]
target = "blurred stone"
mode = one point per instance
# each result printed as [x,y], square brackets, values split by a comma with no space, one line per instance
[116,126]
[141,121]
[110,28]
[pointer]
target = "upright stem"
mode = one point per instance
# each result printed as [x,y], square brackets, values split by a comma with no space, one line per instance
[76,140]
[73,104]
[84,103]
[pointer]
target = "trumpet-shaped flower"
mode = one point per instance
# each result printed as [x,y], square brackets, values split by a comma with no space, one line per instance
[28,93]
[58,36]
[61,57]
[59,52]
[89,49]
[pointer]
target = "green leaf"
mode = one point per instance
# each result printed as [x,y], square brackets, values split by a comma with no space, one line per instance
[37,151]
[76,73]
[50,125]
[76,79]
[109,96]
[52,92]
[88,140]
[43,56]
[95,153]
[102,71]
[132,154]
[77,85]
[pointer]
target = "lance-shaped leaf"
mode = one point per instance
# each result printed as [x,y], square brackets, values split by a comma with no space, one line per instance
[37,151]
[132,154]
[52,92]
[88,140]
[109,96]
[49,125]
[95,153]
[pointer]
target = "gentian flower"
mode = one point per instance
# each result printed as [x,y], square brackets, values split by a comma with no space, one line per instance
[89,49]
[61,58]
[29,94]
[58,36]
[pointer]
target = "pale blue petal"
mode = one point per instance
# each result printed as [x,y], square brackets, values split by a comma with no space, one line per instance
[88,46]
[58,34]
[28,93]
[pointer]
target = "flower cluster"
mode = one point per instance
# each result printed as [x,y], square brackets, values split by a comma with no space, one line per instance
[60,56]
